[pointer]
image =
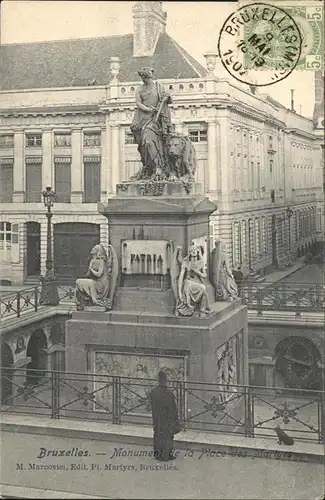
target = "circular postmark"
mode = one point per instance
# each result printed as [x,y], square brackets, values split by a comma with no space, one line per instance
[260,44]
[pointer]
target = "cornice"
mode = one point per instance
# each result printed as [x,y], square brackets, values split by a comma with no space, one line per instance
[50,111]
[302,133]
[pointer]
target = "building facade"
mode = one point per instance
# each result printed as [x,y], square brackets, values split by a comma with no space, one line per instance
[69,128]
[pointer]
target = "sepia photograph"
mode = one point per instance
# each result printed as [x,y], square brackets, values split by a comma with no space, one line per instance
[162,291]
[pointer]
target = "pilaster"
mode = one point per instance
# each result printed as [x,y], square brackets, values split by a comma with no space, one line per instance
[19,167]
[224,153]
[115,154]
[77,190]
[104,165]
[47,159]
[212,158]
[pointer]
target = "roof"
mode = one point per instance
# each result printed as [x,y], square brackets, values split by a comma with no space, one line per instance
[82,62]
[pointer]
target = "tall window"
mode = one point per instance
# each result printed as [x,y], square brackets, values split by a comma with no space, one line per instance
[34,179]
[62,140]
[62,167]
[33,140]
[92,139]
[6,179]
[6,141]
[92,178]
[129,138]
[198,135]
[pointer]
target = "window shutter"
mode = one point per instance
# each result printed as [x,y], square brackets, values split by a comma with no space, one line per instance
[34,180]
[15,243]
[92,179]
[62,179]
[6,179]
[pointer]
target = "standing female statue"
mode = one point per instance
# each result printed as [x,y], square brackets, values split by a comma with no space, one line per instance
[222,277]
[151,124]
[191,290]
[99,286]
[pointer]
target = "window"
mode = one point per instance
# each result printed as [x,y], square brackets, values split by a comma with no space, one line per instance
[198,135]
[92,139]
[62,140]
[270,142]
[62,168]
[6,141]
[9,248]
[92,179]
[33,140]
[271,166]
[34,180]
[129,138]
[6,179]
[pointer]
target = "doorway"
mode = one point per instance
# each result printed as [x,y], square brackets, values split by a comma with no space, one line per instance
[73,242]
[33,248]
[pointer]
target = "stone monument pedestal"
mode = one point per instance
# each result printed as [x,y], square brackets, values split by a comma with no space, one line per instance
[143,333]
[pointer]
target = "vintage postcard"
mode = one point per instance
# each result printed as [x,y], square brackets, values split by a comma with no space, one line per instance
[162,288]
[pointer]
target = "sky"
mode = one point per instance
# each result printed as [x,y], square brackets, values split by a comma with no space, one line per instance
[194,25]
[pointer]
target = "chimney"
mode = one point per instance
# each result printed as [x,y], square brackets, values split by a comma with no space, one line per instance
[149,20]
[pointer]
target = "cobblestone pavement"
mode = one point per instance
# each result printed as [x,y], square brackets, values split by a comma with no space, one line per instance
[116,470]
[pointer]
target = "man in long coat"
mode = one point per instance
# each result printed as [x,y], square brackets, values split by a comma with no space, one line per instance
[165,419]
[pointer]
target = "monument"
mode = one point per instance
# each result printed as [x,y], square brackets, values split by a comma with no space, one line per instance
[160,297]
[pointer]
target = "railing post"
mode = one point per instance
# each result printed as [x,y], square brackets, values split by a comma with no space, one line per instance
[55,395]
[36,298]
[180,400]
[298,311]
[259,303]
[18,304]
[116,400]
[249,412]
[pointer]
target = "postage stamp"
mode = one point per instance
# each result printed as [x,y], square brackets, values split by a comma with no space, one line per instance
[309,17]
[260,36]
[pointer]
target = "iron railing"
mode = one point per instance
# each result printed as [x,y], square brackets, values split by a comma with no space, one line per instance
[297,297]
[246,410]
[257,296]
[14,304]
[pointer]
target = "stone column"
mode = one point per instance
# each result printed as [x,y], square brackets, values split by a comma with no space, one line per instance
[224,153]
[122,173]
[212,157]
[47,160]
[19,167]
[77,190]
[104,166]
[115,155]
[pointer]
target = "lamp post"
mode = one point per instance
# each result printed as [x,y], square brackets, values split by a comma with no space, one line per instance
[49,293]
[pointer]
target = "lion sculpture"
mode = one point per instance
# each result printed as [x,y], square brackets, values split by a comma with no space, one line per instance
[181,158]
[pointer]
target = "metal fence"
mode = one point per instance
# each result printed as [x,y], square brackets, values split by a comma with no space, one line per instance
[257,296]
[14,304]
[297,297]
[246,410]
